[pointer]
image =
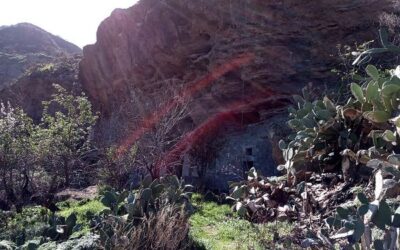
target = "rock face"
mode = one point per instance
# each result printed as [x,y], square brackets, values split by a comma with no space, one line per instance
[285,45]
[288,43]
[31,60]
[231,56]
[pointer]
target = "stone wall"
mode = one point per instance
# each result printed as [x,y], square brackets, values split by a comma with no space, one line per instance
[241,149]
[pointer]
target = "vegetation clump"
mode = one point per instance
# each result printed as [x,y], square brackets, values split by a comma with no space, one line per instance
[215,226]
[355,141]
[338,189]
[41,158]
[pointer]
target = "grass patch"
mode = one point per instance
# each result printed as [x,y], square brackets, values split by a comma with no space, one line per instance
[217,227]
[83,210]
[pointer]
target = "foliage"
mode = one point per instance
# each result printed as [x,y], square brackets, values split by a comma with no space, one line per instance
[66,133]
[362,134]
[359,139]
[328,136]
[87,242]
[215,226]
[84,211]
[26,225]
[35,224]
[157,213]
[42,157]
[260,199]
[45,68]
[117,168]
[387,47]
[357,225]
[61,227]
[16,146]
[150,197]
[129,211]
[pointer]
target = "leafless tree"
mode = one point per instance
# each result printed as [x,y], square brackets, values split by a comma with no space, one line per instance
[163,131]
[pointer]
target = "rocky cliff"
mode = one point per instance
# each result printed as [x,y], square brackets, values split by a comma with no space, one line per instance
[31,60]
[277,46]
[231,56]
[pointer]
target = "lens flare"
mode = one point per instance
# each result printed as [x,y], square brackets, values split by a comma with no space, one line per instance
[150,121]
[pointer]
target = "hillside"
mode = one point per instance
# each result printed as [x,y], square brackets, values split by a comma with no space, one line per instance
[25,45]
[25,38]
[30,62]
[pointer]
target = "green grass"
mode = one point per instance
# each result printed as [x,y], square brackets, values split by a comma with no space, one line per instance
[81,209]
[217,227]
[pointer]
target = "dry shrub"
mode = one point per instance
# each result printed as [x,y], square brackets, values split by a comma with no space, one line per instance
[116,170]
[166,229]
[391,21]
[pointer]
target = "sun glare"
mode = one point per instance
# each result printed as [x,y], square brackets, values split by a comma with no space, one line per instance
[74,20]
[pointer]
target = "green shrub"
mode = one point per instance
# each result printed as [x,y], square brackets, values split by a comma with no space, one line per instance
[328,135]
[362,134]
[27,225]
[43,157]
[370,225]
[65,134]
[16,146]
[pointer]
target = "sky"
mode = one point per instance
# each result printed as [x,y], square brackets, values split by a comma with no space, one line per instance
[74,20]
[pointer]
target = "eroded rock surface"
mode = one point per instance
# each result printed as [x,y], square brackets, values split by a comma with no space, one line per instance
[236,56]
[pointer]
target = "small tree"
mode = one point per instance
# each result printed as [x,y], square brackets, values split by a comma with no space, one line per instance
[116,169]
[162,137]
[66,133]
[16,159]
[33,156]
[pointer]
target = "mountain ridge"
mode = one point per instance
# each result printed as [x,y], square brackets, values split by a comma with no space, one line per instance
[31,60]
[28,38]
